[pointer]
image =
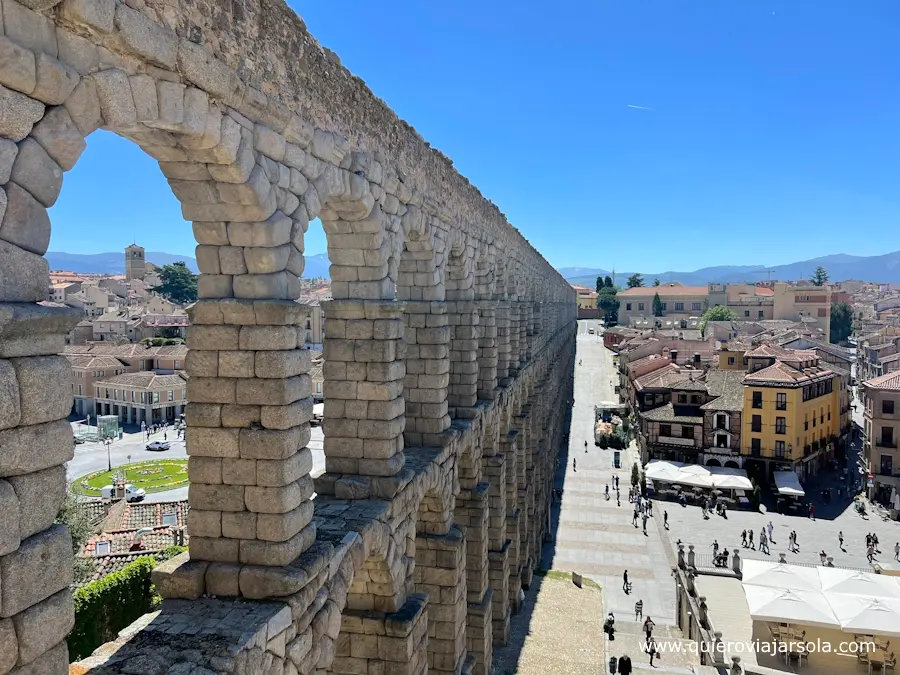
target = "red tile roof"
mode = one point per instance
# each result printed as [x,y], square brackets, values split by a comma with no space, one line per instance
[665,290]
[889,382]
[782,372]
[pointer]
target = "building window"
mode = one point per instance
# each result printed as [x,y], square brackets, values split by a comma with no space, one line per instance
[143,397]
[779,449]
[640,306]
[156,397]
[747,313]
[780,425]
[695,306]
[757,399]
[721,441]
[687,432]
[887,407]
[79,390]
[184,394]
[755,446]
[171,394]
[887,437]
[627,306]
[730,360]
[682,398]
[133,395]
[721,422]
[664,307]
[177,365]
[318,387]
[665,429]
[756,423]
[679,306]
[781,401]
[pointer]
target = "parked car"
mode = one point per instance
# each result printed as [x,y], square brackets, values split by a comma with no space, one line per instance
[78,440]
[158,445]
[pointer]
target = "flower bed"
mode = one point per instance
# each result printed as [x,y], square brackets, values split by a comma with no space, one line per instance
[153,476]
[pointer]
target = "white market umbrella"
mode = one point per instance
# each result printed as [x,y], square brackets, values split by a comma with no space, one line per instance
[835,580]
[781,605]
[866,614]
[780,575]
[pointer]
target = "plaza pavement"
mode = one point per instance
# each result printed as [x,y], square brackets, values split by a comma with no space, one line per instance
[593,536]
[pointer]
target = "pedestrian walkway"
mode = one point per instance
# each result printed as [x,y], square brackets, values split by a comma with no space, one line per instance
[592,535]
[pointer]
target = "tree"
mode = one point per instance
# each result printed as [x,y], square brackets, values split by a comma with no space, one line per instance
[179,284]
[657,305]
[74,514]
[608,282]
[606,300]
[819,277]
[635,280]
[635,474]
[717,313]
[841,322]
[656,282]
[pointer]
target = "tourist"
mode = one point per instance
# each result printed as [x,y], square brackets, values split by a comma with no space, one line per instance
[574,465]
[715,546]
[651,649]
[875,542]
[770,527]
[897,551]
[870,553]
[744,538]
[841,539]
[634,517]
[750,539]
[645,523]
[638,610]
[822,556]
[617,482]
[763,542]
[666,520]
[624,665]
[812,511]
[625,586]
[648,627]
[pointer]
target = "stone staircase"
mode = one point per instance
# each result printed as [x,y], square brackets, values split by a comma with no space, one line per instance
[678,654]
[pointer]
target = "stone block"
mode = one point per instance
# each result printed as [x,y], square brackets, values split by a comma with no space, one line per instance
[210,442]
[40,567]
[203,69]
[28,28]
[239,525]
[211,389]
[97,14]
[253,552]
[204,523]
[9,648]
[268,338]
[10,402]
[40,495]
[269,142]
[215,549]
[283,526]
[202,363]
[222,579]
[240,416]
[236,363]
[17,67]
[9,524]
[216,497]
[170,98]
[53,661]
[214,286]
[55,80]
[40,403]
[18,113]
[287,416]
[17,455]
[262,260]
[239,471]
[278,499]
[83,106]
[205,469]
[231,259]
[259,582]
[146,37]
[77,52]
[281,472]
[8,152]
[36,172]
[59,137]
[43,625]
[116,101]
[275,231]
[273,392]
[203,414]
[180,577]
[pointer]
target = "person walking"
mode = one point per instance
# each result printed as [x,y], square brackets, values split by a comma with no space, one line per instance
[770,528]
[624,665]
[822,556]
[638,610]
[875,542]
[796,543]
[744,538]
[715,547]
[574,465]
[645,524]
[763,542]
[897,551]
[651,649]
[750,539]
[870,553]
[634,517]
[625,586]
[617,482]
[666,520]
[648,627]
[812,512]
[841,539]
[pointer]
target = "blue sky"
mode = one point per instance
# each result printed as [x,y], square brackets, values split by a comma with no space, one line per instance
[770,132]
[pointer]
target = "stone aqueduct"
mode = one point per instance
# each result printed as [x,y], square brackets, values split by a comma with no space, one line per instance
[448,351]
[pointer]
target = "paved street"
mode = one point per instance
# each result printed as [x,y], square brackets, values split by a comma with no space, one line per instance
[593,536]
[90,457]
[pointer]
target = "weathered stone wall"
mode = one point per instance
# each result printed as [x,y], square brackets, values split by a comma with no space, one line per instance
[448,353]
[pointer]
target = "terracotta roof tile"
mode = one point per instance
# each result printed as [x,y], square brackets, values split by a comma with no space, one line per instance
[888,382]
[664,290]
[145,380]
[666,413]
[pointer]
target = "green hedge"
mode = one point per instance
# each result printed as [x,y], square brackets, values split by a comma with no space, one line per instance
[106,606]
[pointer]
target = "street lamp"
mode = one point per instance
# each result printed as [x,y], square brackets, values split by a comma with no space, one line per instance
[108,442]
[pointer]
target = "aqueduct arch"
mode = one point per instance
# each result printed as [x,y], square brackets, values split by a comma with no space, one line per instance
[447,375]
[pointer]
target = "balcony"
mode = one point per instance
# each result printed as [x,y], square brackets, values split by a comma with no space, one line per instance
[885,443]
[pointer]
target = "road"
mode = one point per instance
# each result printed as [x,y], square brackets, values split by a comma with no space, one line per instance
[91,457]
[594,536]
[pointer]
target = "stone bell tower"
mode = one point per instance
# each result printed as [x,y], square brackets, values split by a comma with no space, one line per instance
[135,266]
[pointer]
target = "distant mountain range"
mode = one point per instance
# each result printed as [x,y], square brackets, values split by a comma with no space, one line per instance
[114,263]
[841,267]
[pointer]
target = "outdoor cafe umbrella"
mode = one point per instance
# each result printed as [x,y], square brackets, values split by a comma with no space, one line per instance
[836,580]
[866,614]
[780,575]
[783,605]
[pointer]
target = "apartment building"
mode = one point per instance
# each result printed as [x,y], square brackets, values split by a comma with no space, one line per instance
[678,301]
[142,397]
[749,302]
[86,369]
[791,411]
[315,322]
[805,303]
[882,431]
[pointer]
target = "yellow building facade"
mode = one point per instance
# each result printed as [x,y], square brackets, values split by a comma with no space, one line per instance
[791,416]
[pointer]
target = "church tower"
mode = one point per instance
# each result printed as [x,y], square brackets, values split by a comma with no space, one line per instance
[135,267]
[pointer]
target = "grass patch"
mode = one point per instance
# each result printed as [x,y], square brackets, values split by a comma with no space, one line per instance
[157,475]
[567,576]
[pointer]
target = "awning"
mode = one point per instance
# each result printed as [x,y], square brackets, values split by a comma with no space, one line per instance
[694,475]
[780,575]
[784,605]
[788,484]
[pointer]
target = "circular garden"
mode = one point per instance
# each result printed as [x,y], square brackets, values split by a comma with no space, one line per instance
[157,475]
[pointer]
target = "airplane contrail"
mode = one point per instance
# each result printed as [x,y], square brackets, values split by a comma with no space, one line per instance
[639,107]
